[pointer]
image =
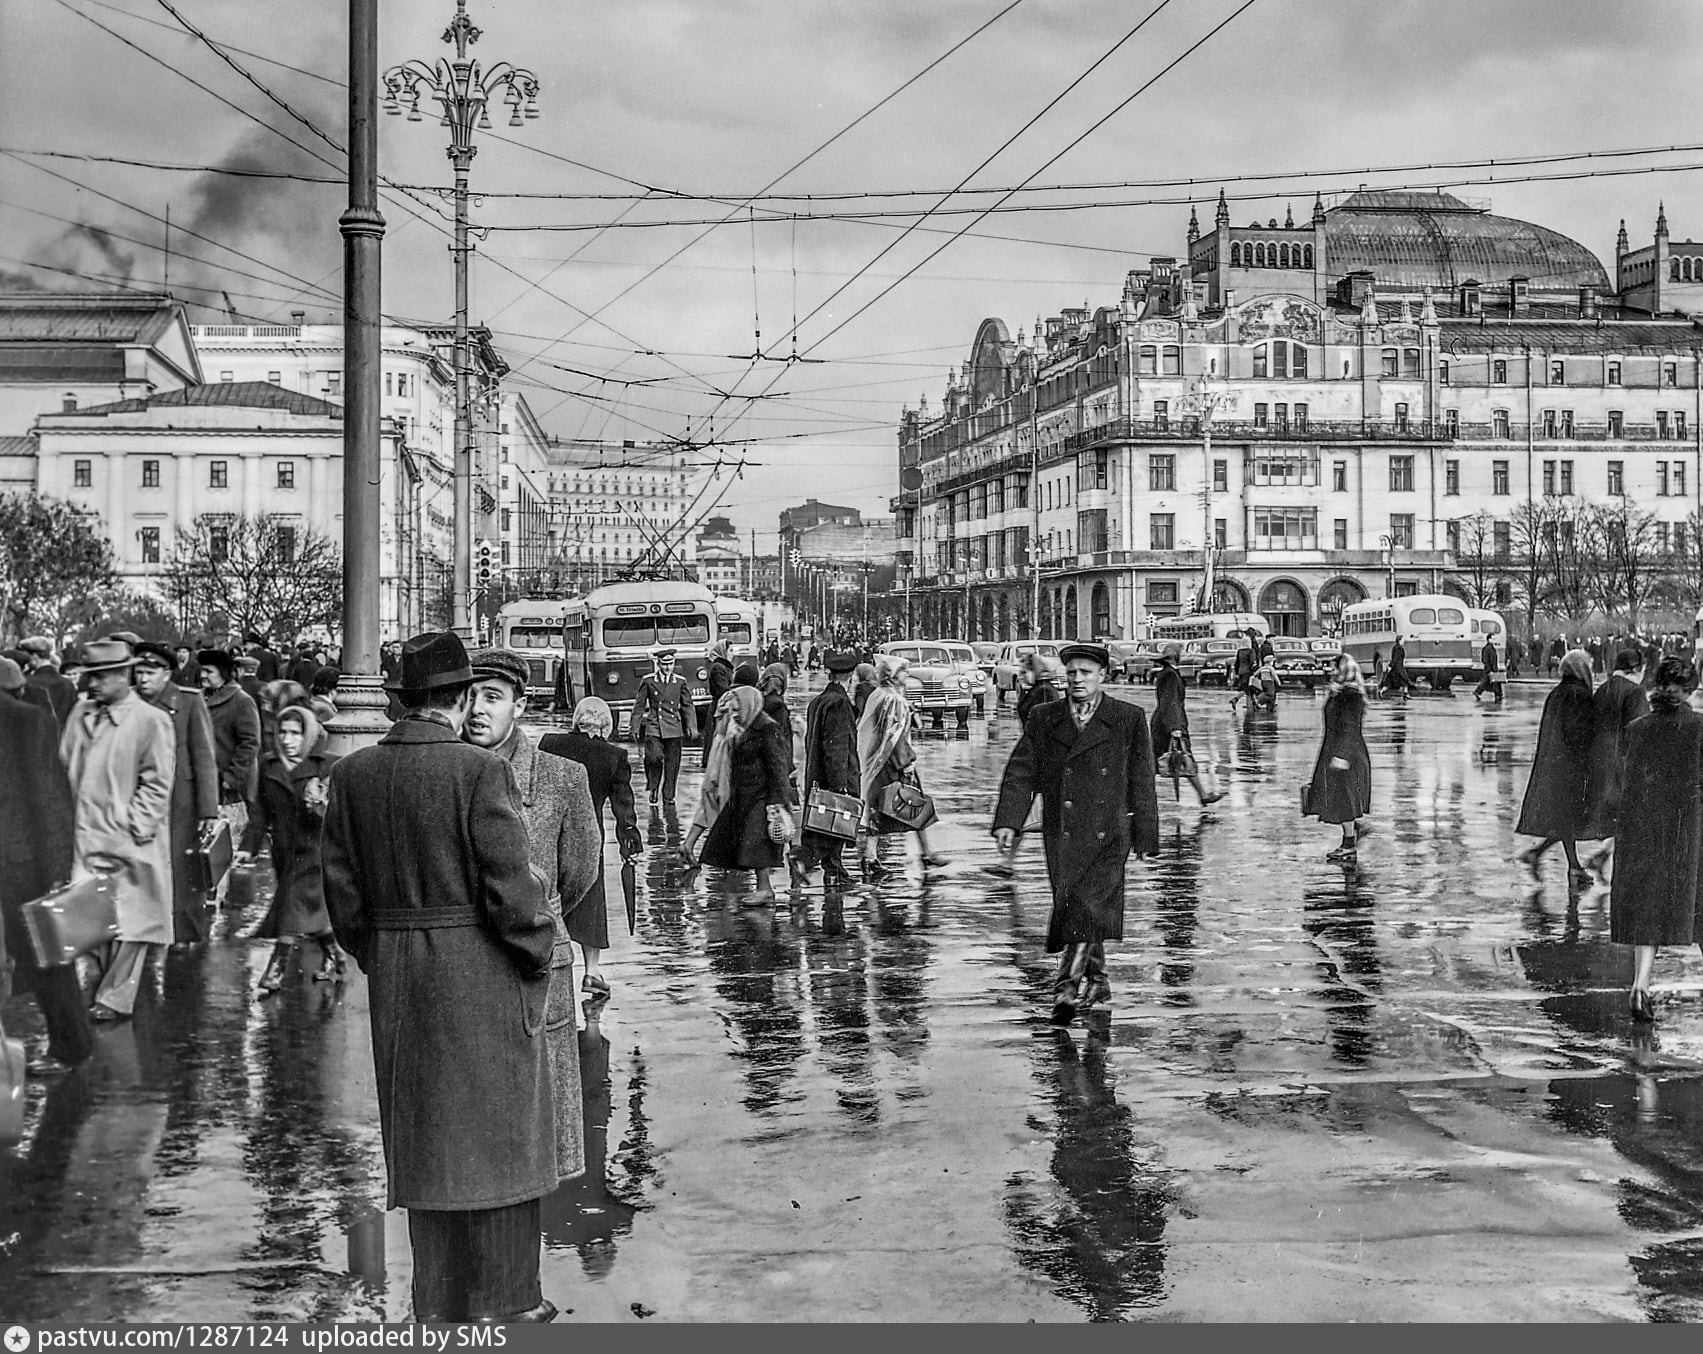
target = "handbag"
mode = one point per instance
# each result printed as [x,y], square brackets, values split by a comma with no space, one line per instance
[780,824]
[13,1072]
[210,858]
[833,815]
[905,802]
[72,920]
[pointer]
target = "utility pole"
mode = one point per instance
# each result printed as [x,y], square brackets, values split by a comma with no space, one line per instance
[462,89]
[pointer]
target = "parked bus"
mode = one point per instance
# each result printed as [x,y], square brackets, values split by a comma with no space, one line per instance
[612,634]
[1207,625]
[1435,631]
[736,622]
[532,627]
[1488,625]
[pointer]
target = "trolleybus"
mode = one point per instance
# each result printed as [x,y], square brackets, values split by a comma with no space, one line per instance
[1434,629]
[1208,625]
[532,627]
[736,622]
[611,637]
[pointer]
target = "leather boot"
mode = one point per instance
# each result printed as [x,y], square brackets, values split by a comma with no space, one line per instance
[273,978]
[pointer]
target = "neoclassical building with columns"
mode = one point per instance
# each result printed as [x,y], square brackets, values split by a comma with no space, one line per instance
[1320,406]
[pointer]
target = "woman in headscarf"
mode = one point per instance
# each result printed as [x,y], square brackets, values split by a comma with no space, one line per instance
[1656,898]
[743,815]
[610,776]
[1558,795]
[747,674]
[291,805]
[773,689]
[885,757]
[1341,789]
[1170,726]
[863,686]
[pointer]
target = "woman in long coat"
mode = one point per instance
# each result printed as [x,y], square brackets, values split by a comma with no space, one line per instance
[1341,789]
[610,780]
[1171,716]
[1558,804]
[885,757]
[1614,705]
[1657,897]
[291,807]
[745,790]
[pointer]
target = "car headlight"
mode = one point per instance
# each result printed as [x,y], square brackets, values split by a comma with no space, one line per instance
[703,674]
[963,683]
[614,679]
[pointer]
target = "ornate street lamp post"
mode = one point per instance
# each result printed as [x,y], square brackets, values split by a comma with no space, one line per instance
[1203,400]
[463,90]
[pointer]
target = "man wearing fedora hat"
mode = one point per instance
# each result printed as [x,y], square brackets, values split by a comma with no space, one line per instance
[429,882]
[1090,759]
[120,755]
[236,742]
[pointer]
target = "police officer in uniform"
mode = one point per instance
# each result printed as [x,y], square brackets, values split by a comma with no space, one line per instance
[663,718]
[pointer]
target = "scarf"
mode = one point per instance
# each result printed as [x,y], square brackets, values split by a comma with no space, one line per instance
[311,734]
[885,723]
[735,713]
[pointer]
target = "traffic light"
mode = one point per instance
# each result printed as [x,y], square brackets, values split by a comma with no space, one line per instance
[482,559]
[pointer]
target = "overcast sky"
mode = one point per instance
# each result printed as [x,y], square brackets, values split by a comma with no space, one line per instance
[719,97]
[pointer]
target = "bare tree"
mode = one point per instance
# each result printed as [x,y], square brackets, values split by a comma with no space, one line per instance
[54,556]
[1623,540]
[269,574]
[1570,552]
[1529,529]
[1478,565]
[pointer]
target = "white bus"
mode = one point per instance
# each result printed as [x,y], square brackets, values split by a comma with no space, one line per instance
[1488,625]
[1207,625]
[736,622]
[532,627]
[1434,629]
[612,634]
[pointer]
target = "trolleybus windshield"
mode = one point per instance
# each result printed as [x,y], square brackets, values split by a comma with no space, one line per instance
[638,632]
[534,637]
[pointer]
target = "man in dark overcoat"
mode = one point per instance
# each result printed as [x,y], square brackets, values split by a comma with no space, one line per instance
[720,679]
[37,822]
[1090,758]
[830,763]
[430,887]
[663,718]
[61,690]
[236,742]
[195,783]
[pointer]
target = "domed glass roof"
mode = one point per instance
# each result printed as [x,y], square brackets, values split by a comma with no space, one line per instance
[1417,239]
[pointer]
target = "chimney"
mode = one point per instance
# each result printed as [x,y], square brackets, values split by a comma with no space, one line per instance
[1519,295]
[1587,302]
[1359,287]
[1472,297]
[297,316]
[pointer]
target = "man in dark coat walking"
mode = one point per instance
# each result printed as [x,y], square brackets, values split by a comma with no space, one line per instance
[37,820]
[830,763]
[61,690]
[1492,679]
[236,742]
[195,783]
[663,719]
[1090,758]
[430,887]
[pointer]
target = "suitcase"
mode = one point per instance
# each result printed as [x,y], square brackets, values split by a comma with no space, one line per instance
[72,920]
[833,815]
[209,858]
[13,1071]
[241,892]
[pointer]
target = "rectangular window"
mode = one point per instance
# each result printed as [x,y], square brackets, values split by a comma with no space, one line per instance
[1220,533]
[226,377]
[1616,422]
[1616,478]
[1401,474]
[1452,531]
[1501,540]
[1452,422]
[1161,472]
[219,474]
[287,544]
[275,378]
[1614,373]
[1220,476]
[1662,537]
[1566,477]
[150,474]
[1390,359]
[1549,479]
[218,544]
[1498,477]
[1662,424]
[1261,367]
[390,384]
[1162,414]
[1278,468]
[1410,363]
[334,384]
[1161,528]
[1451,477]
[1297,362]
[1443,372]
[150,538]
[1147,361]
[1670,373]
[82,474]
[1280,360]
[1679,478]
[1300,414]
[508,519]
[1679,423]
[1499,372]
[504,555]
[1286,528]
[1558,372]
[1401,418]
[1262,415]
[1566,423]
[1499,424]
[1549,423]
[286,474]
[1679,538]
[1662,479]
[1161,593]
[1401,530]
[1339,477]
[1173,360]
[1340,533]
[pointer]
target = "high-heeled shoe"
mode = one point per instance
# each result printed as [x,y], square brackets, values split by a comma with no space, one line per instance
[1642,1008]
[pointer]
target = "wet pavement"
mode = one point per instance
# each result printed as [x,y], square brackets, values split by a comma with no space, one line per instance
[1407,1089]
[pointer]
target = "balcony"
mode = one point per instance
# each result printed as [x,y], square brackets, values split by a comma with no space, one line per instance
[1227,430]
[1582,432]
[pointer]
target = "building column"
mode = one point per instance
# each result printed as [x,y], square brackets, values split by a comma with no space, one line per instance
[116,528]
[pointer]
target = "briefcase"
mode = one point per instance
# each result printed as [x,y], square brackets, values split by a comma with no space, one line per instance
[72,920]
[904,802]
[13,1072]
[831,814]
[210,857]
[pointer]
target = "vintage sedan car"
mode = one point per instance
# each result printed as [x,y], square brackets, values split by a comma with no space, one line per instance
[964,659]
[1141,660]
[934,685]
[1010,662]
[987,654]
[1325,653]
[1295,662]
[1209,661]
[1120,650]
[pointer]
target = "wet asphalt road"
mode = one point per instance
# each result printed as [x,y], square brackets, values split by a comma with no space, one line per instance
[1403,1090]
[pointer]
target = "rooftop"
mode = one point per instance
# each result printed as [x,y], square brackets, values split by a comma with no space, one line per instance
[232,394]
[85,317]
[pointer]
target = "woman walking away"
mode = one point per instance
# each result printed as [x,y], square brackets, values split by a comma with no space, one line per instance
[885,757]
[1040,678]
[1341,788]
[863,686]
[1557,800]
[773,688]
[1656,898]
[1171,746]
[293,780]
[1396,677]
[610,776]
[1615,704]
[744,806]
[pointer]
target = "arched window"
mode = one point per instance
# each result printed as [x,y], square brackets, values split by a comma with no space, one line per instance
[1102,612]
[1674,271]
[1259,256]
[1070,616]
[1283,255]
[1235,255]
[1307,256]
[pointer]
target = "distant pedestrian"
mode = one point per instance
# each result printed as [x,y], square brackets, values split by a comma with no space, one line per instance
[195,783]
[44,674]
[1090,759]
[663,718]
[1558,797]
[1340,790]
[1039,680]
[120,756]
[267,663]
[830,763]
[1172,749]
[885,757]
[14,685]
[720,678]
[1242,666]
[863,685]
[1557,650]
[236,743]
[609,778]
[1397,681]
[744,811]
[294,781]
[1657,895]
[429,882]
[37,850]
[188,670]
[1491,681]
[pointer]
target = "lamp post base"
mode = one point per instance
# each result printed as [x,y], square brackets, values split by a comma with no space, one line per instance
[361,719]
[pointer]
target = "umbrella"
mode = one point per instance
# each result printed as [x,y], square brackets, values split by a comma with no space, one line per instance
[630,886]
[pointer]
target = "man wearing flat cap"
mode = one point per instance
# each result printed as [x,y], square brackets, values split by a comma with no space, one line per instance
[1090,759]
[830,763]
[195,785]
[429,882]
[663,718]
[236,742]
[43,675]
